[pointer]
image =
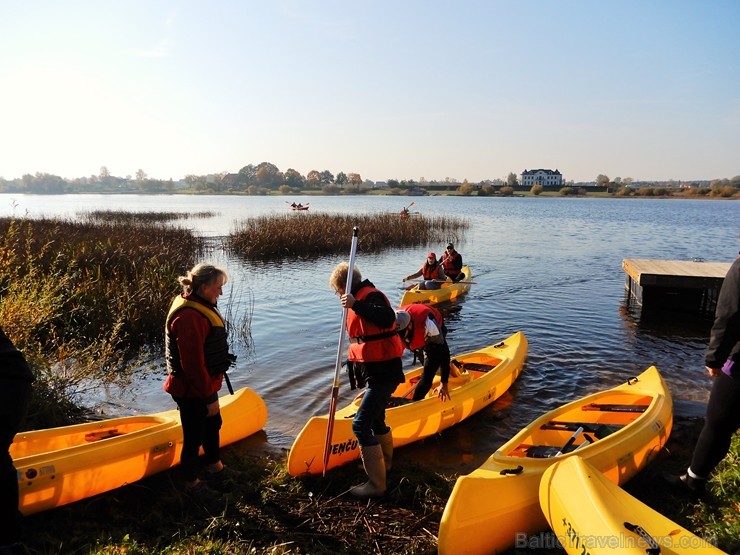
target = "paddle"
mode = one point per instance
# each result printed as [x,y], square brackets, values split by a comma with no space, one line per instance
[340,348]
[443,281]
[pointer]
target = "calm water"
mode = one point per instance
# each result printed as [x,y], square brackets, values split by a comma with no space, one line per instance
[549,267]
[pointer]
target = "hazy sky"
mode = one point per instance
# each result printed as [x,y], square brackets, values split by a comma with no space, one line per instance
[388,89]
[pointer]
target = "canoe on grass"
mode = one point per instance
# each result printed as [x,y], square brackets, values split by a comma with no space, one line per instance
[448,291]
[61,465]
[588,511]
[485,375]
[617,430]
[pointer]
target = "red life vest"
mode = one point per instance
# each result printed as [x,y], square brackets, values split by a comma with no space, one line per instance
[368,342]
[419,314]
[430,272]
[452,263]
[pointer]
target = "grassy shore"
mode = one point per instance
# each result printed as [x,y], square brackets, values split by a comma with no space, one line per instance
[271,512]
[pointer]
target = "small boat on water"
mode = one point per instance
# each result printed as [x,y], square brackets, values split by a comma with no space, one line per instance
[618,431]
[298,206]
[448,291]
[477,379]
[589,512]
[61,465]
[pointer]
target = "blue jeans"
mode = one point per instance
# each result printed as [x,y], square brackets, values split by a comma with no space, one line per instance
[370,418]
[429,284]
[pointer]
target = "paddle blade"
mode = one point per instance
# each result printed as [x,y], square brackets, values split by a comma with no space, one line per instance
[330,426]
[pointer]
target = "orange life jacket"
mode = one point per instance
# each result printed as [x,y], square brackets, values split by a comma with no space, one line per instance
[419,314]
[452,263]
[368,342]
[430,271]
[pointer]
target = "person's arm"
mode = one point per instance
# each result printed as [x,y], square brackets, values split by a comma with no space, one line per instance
[725,332]
[376,310]
[442,275]
[412,276]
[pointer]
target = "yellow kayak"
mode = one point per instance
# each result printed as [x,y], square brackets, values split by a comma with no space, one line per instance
[448,291]
[477,381]
[589,512]
[61,465]
[617,430]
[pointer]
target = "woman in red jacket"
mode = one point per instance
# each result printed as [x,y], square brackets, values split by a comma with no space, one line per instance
[197,355]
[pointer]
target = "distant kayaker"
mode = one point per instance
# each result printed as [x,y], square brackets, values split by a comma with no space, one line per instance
[722,360]
[431,272]
[452,263]
[405,213]
[15,395]
[197,355]
[422,327]
[373,361]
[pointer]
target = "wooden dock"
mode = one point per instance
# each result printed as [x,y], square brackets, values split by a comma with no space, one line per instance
[682,285]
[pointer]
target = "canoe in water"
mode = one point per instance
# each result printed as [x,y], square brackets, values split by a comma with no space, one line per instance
[618,431]
[589,512]
[481,378]
[448,291]
[61,465]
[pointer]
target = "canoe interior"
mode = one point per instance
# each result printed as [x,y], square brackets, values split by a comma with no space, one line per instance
[586,424]
[35,443]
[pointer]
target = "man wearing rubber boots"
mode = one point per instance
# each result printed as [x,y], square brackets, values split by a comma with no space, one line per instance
[374,362]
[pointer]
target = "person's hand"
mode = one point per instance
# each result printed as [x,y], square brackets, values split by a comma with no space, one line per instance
[442,392]
[212,408]
[403,280]
[713,371]
[348,300]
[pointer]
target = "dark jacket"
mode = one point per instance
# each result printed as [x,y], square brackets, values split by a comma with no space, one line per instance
[724,340]
[13,365]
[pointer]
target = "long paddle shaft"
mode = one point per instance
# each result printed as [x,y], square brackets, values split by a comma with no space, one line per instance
[340,349]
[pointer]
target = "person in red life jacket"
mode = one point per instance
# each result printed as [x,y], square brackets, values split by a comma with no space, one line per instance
[452,263]
[15,395]
[197,356]
[431,272]
[374,362]
[422,327]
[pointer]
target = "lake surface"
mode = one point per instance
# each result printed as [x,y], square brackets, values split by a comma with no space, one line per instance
[549,267]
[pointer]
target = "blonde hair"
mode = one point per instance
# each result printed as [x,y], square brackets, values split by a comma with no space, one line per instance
[338,278]
[201,274]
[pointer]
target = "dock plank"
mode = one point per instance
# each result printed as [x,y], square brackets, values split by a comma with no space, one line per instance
[654,272]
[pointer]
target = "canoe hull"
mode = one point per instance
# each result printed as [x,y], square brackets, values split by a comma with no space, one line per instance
[413,421]
[489,512]
[62,465]
[587,510]
[447,292]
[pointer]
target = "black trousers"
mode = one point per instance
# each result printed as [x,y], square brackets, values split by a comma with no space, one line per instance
[14,399]
[721,422]
[436,355]
[198,430]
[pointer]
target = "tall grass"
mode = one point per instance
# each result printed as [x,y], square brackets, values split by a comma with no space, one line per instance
[84,300]
[306,235]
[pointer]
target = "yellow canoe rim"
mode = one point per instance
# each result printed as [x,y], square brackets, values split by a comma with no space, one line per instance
[618,431]
[61,465]
[481,377]
[587,511]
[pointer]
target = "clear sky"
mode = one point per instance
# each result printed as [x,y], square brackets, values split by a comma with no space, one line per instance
[648,89]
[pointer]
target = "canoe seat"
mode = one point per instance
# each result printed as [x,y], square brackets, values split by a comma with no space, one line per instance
[547,451]
[608,407]
[599,430]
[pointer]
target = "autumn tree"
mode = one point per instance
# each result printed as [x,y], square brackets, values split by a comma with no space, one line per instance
[602,180]
[313,179]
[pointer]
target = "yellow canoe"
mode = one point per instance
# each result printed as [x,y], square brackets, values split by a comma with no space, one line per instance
[485,375]
[448,291]
[61,465]
[591,514]
[617,430]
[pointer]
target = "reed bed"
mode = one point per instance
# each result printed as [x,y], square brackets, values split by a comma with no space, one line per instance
[306,235]
[127,217]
